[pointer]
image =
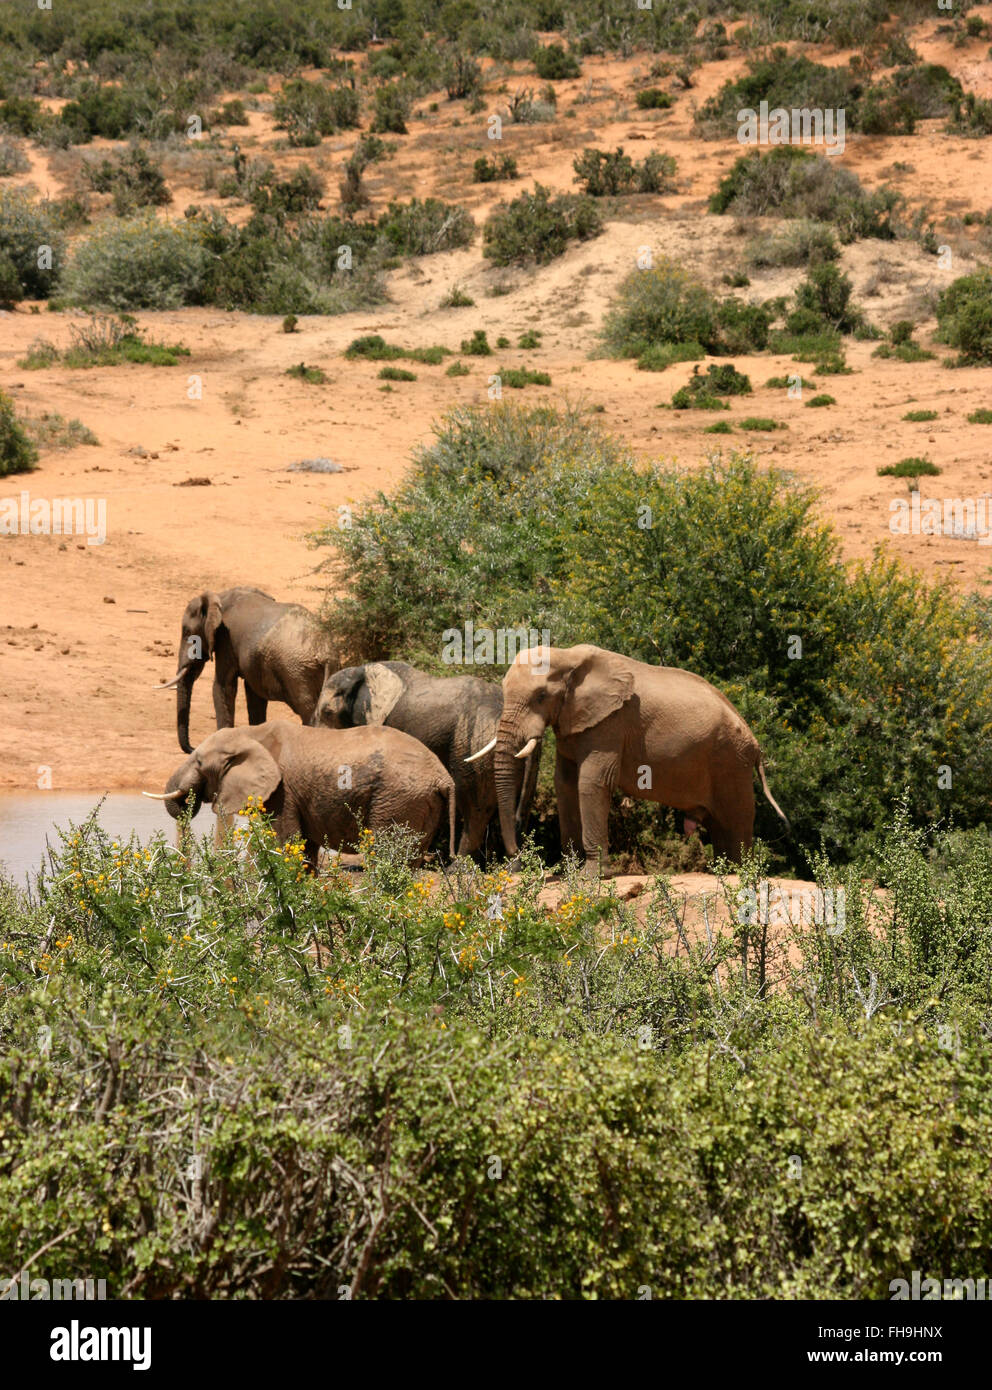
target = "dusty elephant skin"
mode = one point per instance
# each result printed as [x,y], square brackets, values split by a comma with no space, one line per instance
[652,732]
[322,784]
[454,716]
[279,650]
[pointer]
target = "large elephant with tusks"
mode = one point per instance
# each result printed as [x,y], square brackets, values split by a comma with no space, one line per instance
[654,733]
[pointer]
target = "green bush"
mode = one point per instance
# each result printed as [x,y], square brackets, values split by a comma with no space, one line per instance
[424,228]
[11,289]
[26,229]
[396,374]
[104,342]
[666,305]
[654,99]
[138,263]
[918,417]
[761,423]
[132,178]
[22,115]
[531,517]
[374,348]
[392,109]
[477,345]
[308,111]
[17,453]
[538,226]
[783,81]
[964,317]
[13,160]
[788,181]
[314,376]
[493,169]
[660,356]
[519,377]
[703,392]
[826,295]
[909,468]
[114,112]
[982,416]
[553,63]
[609,173]
[821,400]
[802,243]
[339,1119]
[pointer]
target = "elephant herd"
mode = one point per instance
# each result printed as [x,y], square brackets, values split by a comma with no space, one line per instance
[384,743]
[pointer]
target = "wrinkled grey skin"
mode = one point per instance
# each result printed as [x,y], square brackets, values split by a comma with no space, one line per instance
[279,650]
[655,733]
[454,716]
[298,772]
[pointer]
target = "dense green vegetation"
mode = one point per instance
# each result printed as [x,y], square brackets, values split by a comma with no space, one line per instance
[379,1089]
[861,682]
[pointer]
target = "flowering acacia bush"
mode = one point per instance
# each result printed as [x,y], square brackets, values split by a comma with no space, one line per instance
[224,1076]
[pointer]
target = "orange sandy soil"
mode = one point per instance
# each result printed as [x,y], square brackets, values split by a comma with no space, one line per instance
[85,631]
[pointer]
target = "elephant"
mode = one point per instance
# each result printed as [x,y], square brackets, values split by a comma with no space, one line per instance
[323,784]
[655,733]
[451,715]
[279,650]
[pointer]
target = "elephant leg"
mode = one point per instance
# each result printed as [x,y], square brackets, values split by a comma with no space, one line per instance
[225,684]
[474,824]
[225,694]
[597,778]
[732,826]
[257,706]
[567,796]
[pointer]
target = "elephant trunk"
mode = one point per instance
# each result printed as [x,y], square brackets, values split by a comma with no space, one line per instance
[509,773]
[184,691]
[182,781]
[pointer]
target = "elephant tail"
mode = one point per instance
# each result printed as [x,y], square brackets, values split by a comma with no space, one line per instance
[761,773]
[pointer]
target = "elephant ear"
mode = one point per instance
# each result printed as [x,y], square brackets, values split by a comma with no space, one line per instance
[598,684]
[250,771]
[212,620]
[385,688]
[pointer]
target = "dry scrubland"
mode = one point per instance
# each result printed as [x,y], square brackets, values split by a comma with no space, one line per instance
[645,1060]
[75,604]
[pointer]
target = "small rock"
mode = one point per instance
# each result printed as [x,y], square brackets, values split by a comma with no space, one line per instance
[194,482]
[63,546]
[64,651]
[108,600]
[317,465]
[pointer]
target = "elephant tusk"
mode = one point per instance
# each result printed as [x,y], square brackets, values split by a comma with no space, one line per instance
[483,751]
[175,680]
[527,749]
[163,796]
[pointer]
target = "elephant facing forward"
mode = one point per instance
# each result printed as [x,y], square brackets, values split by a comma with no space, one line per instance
[279,650]
[323,784]
[453,716]
[655,733]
